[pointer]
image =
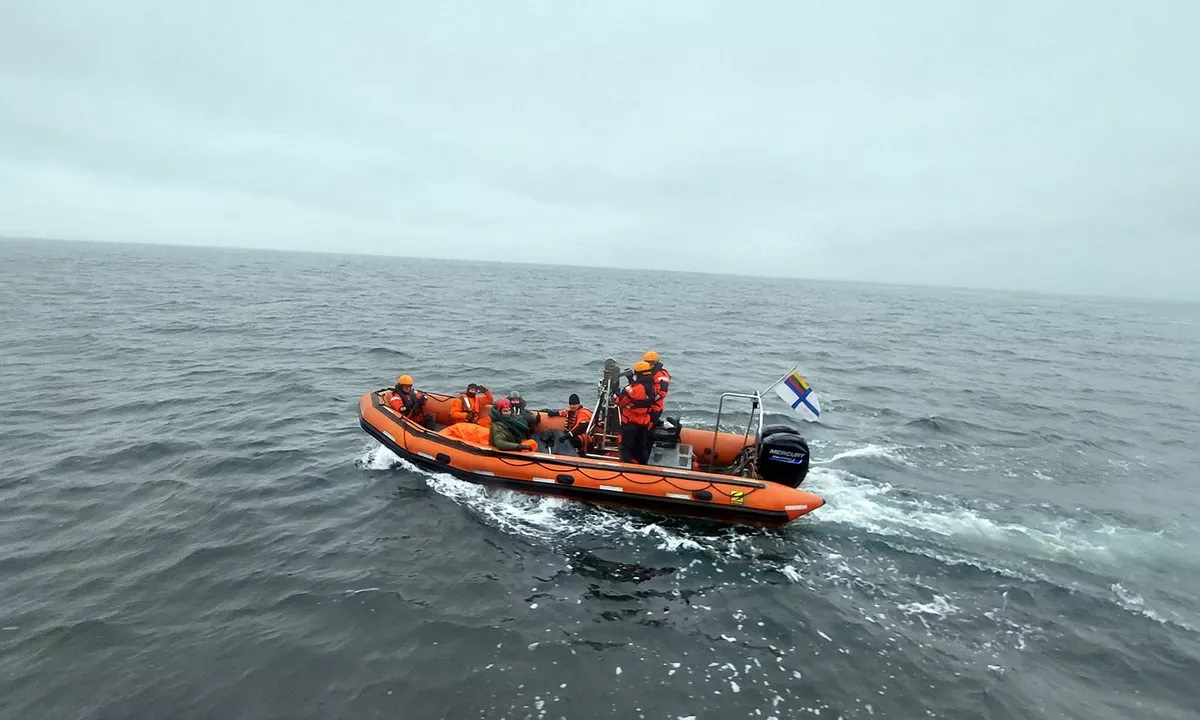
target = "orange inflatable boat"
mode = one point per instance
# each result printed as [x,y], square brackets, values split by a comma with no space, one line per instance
[745,478]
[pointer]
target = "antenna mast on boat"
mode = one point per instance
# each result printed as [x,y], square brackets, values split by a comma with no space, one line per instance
[606,418]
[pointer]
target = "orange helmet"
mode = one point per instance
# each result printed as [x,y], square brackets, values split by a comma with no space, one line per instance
[650,357]
[642,367]
[404,380]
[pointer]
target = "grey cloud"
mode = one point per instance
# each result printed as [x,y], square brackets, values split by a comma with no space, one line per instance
[1048,146]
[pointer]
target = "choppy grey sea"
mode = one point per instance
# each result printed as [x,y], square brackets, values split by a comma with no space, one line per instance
[194,526]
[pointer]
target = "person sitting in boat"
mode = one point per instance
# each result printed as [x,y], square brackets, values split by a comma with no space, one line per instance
[509,430]
[662,381]
[577,418]
[469,404]
[409,402]
[532,418]
[635,401]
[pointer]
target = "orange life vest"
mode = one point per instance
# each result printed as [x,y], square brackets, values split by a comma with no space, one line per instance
[465,408]
[406,405]
[635,401]
[577,420]
[662,380]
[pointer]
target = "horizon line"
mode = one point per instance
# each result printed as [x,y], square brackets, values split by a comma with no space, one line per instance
[346,253]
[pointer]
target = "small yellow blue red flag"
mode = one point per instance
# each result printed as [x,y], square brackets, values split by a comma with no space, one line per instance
[797,393]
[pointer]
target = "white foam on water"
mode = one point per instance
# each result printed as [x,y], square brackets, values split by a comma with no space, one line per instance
[378,457]
[791,573]
[939,606]
[1132,601]
[966,536]
[1025,574]
[890,452]
[540,517]
[877,508]
[546,519]
[668,540]
[533,516]
[1136,604]
[537,516]
[874,506]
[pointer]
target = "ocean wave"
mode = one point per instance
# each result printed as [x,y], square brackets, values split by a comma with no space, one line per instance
[851,500]
[1008,549]
[126,455]
[543,517]
[941,425]
[378,457]
[1135,603]
[888,452]
[855,501]
[930,569]
[388,353]
[880,508]
[939,606]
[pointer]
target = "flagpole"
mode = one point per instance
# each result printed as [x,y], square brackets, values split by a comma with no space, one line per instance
[781,379]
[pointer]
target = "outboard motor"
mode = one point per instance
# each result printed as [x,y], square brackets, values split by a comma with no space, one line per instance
[783,456]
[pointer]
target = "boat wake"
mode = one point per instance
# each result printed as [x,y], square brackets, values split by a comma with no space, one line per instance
[1079,554]
[541,517]
[815,555]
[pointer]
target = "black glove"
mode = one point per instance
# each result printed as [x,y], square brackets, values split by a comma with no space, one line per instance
[482,389]
[551,413]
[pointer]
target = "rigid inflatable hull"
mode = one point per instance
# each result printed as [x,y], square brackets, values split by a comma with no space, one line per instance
[596,480]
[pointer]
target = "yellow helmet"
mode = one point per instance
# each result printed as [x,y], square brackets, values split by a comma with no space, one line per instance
[650,357]
[642,367]
[404,380]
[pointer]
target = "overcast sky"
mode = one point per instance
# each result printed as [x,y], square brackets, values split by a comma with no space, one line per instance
[1030,145]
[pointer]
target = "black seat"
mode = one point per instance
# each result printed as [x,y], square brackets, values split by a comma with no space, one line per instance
[667,434]
[555,442]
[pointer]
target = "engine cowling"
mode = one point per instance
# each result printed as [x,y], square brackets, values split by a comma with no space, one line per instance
[783,457]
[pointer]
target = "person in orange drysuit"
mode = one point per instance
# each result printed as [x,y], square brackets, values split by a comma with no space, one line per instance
[662,382]
[408,402]
[577,418]
[635,401]
[468,406]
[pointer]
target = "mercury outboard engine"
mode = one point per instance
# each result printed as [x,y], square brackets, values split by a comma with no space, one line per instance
[783,455]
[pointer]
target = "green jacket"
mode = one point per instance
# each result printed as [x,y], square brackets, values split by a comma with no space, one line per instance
[508,430]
